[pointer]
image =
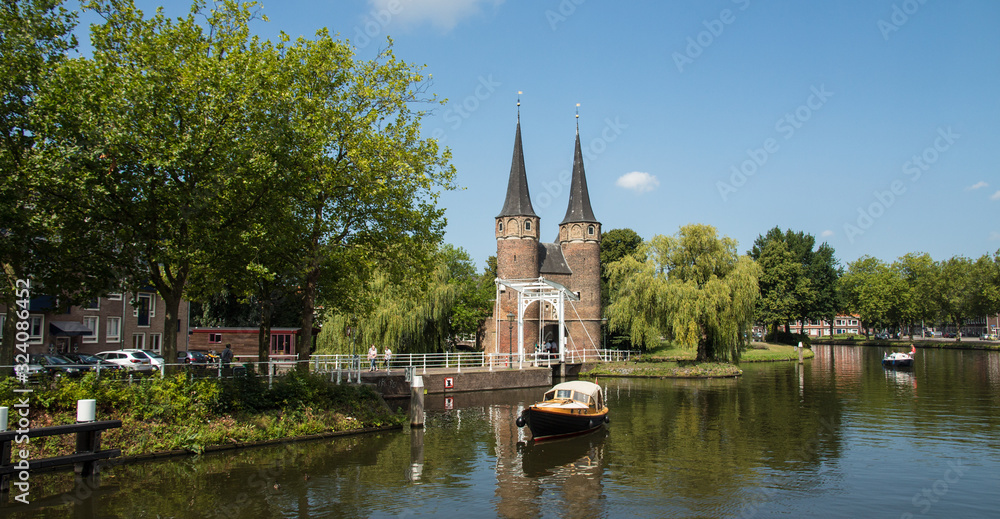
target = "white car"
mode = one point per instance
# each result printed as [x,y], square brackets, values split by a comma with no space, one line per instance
[154,358]
[134,360]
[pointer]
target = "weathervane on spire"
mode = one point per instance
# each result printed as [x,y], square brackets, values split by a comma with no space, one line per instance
[578,118]
[518,106]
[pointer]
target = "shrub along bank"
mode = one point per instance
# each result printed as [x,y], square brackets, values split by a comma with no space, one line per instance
[177,413]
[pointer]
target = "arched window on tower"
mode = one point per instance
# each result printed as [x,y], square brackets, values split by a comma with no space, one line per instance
[590,230]
[527,225]
[501,227]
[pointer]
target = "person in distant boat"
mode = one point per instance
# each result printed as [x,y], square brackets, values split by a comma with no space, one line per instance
[913,349]
[372,355]
[388,357]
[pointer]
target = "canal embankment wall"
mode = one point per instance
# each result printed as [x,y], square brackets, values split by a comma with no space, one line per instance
[451,381]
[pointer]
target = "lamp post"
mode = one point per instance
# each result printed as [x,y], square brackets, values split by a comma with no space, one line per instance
[510,327]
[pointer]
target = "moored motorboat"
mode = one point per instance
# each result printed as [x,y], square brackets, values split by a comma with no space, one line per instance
[568,409]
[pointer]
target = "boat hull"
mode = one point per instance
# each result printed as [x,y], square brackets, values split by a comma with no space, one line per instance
[547,425]
[901,363]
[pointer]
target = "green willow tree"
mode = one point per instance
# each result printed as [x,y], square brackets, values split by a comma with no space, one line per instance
[693,288]
[367,183]
[165,139]
[413,316]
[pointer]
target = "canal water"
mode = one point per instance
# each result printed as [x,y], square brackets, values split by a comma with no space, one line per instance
[837,437]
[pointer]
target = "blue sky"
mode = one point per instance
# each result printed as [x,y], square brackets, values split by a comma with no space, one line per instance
[873,125]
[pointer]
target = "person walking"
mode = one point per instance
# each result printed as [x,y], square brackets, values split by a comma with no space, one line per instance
[227,356]
[388,357]
[372,355]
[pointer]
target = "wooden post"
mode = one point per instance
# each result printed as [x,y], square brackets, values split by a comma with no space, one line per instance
[800,352]
[417,401]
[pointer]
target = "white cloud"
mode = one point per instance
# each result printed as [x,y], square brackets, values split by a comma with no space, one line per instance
[638,181]
[995,196]
[977,185]
[443,14]
[826,234]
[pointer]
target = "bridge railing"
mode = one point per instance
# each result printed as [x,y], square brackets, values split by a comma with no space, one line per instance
[425,361]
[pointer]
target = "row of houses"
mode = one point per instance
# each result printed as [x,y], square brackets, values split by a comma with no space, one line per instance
[851,325]
[119,321]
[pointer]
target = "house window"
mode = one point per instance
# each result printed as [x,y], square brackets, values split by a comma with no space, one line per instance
[281,344]
[139,341]
[93,304]
[214,338]
[114,296]
[3,320]
[154,342]
[90,321]
[114,329]
[35,323]
[145,308]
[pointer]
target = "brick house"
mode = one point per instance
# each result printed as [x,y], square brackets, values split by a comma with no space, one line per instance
[111,322]
[243,340]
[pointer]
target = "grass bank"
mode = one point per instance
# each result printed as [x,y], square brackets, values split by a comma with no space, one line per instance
[681,369]
[902,344]
[176,413]
[670,361]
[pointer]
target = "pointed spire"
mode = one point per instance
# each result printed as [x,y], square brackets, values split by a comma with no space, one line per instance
[579,209]
[518,202]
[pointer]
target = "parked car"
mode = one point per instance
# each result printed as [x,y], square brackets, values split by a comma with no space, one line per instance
[988,337]
[881,336]
[33,372]
[192,357]
[56,366]
[949,335]
[155,359]
[131,360]
[93,362]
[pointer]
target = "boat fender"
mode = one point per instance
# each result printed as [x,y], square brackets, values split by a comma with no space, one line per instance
[607,419]
[520,421]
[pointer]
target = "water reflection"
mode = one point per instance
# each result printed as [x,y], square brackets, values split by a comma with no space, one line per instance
[838,435]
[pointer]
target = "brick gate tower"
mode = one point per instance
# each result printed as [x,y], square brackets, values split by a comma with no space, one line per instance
[574,261]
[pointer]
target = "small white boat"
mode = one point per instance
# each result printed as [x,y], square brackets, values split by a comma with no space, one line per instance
[897,360]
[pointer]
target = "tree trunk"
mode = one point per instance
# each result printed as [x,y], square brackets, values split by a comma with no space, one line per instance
[9,333]
[302,347]
[264,333]
[171,314]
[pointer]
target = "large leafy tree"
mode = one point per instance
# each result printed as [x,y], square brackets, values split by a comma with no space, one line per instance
[956,294]
[615,244]
[919,275]
[692,287]
[367,182]
[34,40]
[824,270]
[788,291]
[165,139]
[872,289]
